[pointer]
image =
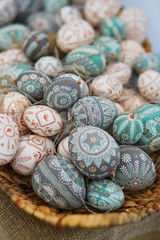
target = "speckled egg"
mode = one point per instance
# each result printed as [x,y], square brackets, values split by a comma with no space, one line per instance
[75,34]
[128,128]
[95,11]
[105,195]
[63,149]
[43,120]
[68,14]
[57,182]
[36,45]
[110,47]
[106,86]
[94,152]
[113,27]
[14,104]
[136,170]
[136,23]
[88,60]
[8,10]
[33,83]
[147,61]
[93,111]
[149,85]
[131,50]
[54,5]
[9,139]
[119,70]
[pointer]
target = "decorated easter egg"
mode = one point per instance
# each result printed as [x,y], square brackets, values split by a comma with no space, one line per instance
[43,120]
[57,182]
[136,170]
[31,149]
[136,23]
[14,104]
[128,128]
[88,60]
[110,47]
[149,85]
[9,139]
[147,61]
[33,83]
[74,34]
[12,36]
[63,92]
[106,86]
[12,57]
[54,5]
[36,45]
[93,111]
[119,70]
[8,10]
[93,151]
[48,65]
[105,195]
[95,11]
[113,27]
[68,14]
[63,149]
[131,50]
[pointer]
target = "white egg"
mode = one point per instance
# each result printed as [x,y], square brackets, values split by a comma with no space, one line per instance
[68,14]
[63,149]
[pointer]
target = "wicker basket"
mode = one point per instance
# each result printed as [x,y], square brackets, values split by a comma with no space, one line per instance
[137,205]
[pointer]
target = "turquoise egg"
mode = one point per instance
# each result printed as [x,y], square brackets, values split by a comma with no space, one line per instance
[113,27]
[105,195]
[136,170]
[88,60]
[57,182]
[127,128]
[54,6]
[150,116]
[93,111]
[147,61]
[12,36]
[110,46]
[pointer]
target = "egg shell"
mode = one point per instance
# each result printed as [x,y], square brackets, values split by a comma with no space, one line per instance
[128,128]
[94,152]
[33,83]
[87,60]
[9,139]
[95,11]
[8,10]
[63,149]
[43,120]
[113,27]
[57,182]
[36,45]
[105,195]
[149,85]
[136,170]
[93,111]
[106,86]
[110,47]
[119,70]
[68,14]
[131,50]
[31,149]
[136,23]
[14,104]
[54,6]
[12,36]
[48,65]
[75,34]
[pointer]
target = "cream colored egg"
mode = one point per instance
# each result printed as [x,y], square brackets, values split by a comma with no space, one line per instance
[63,149]
[43,120]
[136,23]
[14,104]
[131,50]
[9,139]
[149,85]
[119,70]
[75,34]
[106,86]
[95,11]
[68,14]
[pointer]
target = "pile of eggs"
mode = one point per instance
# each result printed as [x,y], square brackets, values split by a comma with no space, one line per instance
[80,100]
